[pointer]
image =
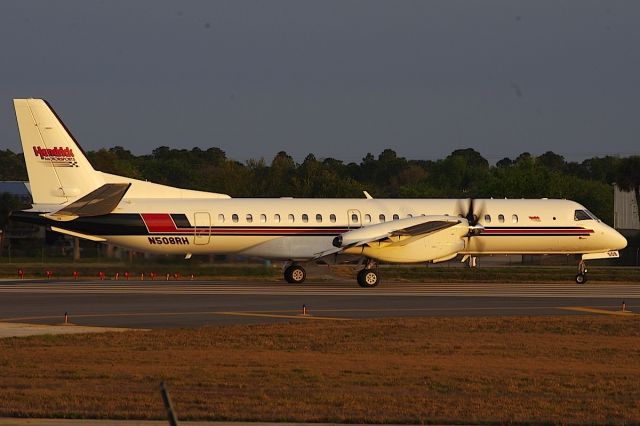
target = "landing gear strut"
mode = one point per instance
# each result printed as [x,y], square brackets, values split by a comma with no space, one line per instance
[581,278]
[368,277]
[295,274]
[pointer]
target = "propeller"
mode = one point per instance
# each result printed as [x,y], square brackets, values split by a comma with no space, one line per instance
[472,218]
[469,212]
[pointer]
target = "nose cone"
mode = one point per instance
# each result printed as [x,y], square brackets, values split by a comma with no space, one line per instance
[619,242]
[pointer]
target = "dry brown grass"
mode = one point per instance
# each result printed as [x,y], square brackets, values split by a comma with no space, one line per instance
[493,370]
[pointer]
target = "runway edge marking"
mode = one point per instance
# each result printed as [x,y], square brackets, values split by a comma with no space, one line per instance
[304,317]
[599,311]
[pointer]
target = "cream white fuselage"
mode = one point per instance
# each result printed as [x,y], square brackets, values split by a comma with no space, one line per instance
[299,229]
[74,199]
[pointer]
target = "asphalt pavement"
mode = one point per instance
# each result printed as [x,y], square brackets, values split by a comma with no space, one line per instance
[145,304]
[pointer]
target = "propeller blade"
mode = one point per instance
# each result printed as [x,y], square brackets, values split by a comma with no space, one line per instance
[471,217]
[459,209]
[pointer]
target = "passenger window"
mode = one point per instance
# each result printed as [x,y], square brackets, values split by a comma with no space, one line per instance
[249,218]
[501,218]
[263,218]
[305,218]
[319,218]
[581,215]
[487,218]
[514,218]
[291,218]
[367,218]
[381,218]
[396,217]
[234,218]
[276,218]
[354,218]
[332,218]
[221,218]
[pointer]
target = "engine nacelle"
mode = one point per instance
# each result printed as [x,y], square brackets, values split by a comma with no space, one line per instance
[446,243]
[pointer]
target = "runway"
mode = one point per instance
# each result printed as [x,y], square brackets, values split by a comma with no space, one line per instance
[150,304]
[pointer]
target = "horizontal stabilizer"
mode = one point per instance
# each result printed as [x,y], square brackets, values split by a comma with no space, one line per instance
[96,203]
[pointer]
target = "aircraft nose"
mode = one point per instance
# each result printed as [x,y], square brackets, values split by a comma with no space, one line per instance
[619,241]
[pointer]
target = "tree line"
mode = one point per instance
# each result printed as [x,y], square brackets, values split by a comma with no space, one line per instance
[462,174]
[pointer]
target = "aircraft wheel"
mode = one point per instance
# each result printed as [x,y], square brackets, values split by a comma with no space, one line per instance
[295,274]
[581,278]
[367,278]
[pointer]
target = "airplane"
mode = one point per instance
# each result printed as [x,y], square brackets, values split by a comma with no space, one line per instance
[72,198]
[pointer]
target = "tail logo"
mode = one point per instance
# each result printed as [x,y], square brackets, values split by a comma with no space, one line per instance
[57,157]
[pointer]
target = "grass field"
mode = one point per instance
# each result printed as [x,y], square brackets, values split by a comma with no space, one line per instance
[571,369]
[64,270]
[252,271]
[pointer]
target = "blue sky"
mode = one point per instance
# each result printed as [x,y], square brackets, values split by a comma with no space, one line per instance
[335,78]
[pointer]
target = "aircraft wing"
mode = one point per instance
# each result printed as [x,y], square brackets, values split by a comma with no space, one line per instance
[394,233]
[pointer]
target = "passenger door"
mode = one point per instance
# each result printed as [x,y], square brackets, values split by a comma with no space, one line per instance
[202,232]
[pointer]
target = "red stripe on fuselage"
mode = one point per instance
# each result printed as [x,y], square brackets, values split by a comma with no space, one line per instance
[159,222]
[581,231]
[163,223]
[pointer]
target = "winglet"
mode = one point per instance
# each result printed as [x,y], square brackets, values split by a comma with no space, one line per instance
[367,195]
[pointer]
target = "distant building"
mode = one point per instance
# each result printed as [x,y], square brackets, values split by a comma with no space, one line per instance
[18,188]
[625,211]
[19,236]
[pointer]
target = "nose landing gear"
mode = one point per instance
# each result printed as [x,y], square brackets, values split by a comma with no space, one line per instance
[581,278]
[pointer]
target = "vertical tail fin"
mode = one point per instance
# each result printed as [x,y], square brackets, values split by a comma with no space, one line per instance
[59,172]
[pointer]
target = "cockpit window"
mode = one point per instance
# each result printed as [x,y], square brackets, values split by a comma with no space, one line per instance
[581,215]
[593,216]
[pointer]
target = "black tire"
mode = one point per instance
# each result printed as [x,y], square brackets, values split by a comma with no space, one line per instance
[295,274]
[368,278]
[581,278]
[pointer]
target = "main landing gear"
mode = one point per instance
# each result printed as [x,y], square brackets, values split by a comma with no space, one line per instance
[581,278]
[368,277]
[295,274]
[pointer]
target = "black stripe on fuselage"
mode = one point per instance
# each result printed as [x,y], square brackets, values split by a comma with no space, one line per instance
[131,224]
[533,227]
[537,234]
[109,224]
[181,220]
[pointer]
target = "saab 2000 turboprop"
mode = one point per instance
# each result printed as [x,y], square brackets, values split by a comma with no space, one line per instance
[72,198]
